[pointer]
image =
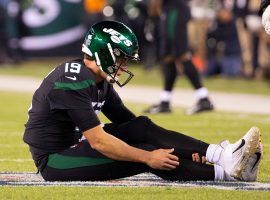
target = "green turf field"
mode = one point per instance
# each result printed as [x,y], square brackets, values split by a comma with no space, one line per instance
[126,193]
[211,127]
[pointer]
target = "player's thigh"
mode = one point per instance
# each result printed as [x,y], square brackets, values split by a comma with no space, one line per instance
[82,163]
[180,43]
[177,34]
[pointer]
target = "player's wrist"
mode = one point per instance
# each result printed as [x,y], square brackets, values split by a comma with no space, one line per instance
[146,157]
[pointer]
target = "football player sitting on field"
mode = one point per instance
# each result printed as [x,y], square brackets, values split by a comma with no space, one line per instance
[69,143]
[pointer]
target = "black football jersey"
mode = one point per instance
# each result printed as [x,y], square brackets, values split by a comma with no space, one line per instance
[66,104]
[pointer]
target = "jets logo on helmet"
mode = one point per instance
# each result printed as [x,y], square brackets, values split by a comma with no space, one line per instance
[117,37]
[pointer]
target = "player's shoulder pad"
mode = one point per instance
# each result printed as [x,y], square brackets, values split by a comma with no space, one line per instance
[74,75]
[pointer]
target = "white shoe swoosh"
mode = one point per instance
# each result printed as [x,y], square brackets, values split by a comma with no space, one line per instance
[74,78]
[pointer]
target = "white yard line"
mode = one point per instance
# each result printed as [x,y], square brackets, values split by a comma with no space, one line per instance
[12,145]
[19,160]
[141,180]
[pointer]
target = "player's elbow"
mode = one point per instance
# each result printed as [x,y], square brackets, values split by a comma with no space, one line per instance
[96,138]
[98,143]
[99,146]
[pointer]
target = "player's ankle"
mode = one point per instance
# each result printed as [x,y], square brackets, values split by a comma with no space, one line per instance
[213,153]
[221,175]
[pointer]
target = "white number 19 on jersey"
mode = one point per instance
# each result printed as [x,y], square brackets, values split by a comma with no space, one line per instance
[73,67]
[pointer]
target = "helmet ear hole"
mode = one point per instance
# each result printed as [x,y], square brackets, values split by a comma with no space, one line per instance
[116,52]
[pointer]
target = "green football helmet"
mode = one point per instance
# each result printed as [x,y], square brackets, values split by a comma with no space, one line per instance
[111,44]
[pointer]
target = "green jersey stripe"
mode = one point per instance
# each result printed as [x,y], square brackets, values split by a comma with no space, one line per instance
[172,23]
[58,161]
[74,86]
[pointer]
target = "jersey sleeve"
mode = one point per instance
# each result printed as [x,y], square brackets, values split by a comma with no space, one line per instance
[84,119]
[115,110]
[69,99]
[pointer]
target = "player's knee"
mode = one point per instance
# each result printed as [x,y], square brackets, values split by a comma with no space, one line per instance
[185,57]
[143,119]
[168,59]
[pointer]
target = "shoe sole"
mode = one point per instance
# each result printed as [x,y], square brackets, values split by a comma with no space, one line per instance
[253,137]
[199,111]
[252,174]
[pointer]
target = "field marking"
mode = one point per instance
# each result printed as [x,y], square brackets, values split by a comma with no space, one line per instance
[20,160]
[141,180]
[11,133]
[12,145]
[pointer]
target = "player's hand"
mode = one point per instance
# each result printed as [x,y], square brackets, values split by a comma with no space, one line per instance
[163,159]
[266,19]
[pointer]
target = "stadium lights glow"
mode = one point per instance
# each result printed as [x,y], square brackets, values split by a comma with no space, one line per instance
[108,11]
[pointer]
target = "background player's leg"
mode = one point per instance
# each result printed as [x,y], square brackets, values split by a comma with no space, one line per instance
[192,73]
[183,53]
[168,68]
[170,74]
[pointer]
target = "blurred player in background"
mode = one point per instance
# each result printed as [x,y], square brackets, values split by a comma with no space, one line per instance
[66,105]
[3,34]
[174,51]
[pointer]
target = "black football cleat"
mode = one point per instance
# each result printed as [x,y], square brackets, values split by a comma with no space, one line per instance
[162,107]
[201,106]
